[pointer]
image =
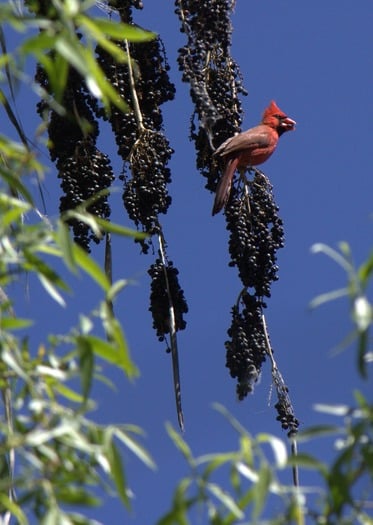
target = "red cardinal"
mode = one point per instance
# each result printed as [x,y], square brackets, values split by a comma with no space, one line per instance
[250,148]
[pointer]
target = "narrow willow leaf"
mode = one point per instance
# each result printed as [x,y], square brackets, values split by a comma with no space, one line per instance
[13,508]
[51,290]
[65,243]
[12,323]
[307,461]
[328,296]
[15,184]
[124,31]
[333,254]
[111,227]
[261,490]
[278,447]
[86,364]
[68,393]
[180,443]
[117,472]
[365,271]
[109,353]
[225,498]
[89,266]
[135,448]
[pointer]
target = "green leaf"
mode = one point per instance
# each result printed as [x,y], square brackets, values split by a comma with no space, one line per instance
[261,490]
[73,495]
[180,443]
[135,447]
[117,471]
[90,267]
[278,447]
[86,364]
[13,508]
[109,353]
[124,31]
[215,461]
[63,240]
[12,323]
[14,182]
[96,31]
[365,271]
[307,461]
[334,255]
[226,499]
[328,296]
[68,393]
[51,289]
[363,344]
[116,336]
[111,227]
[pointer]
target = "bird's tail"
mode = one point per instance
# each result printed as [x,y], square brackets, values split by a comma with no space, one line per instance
[223,188]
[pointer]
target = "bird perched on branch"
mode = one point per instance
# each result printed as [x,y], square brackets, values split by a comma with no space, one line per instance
[250,148]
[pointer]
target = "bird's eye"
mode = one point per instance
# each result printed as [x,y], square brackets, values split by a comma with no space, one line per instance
[280,117]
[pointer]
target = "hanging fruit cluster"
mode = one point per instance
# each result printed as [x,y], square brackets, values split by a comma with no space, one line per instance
[255,228]
[214,78]
[84,170]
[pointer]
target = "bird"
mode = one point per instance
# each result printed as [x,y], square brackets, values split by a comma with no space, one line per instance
[250,148]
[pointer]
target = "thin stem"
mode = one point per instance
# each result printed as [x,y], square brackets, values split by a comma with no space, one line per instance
[173,339]
[135,100]
[280,386]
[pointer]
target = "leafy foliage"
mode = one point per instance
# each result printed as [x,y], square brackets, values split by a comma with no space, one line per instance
[55,460]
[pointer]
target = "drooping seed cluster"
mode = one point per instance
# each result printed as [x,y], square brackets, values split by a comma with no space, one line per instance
[152,85]
[83,169]
[146,153]
[256,233]
[145,194]
[165,285]
[142,144]
[284,406]
[85,173]
[246,349]
[214,77]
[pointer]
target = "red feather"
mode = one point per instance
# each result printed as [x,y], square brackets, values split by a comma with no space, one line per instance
[250,148]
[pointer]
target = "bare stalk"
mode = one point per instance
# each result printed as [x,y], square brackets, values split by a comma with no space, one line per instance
[173,339]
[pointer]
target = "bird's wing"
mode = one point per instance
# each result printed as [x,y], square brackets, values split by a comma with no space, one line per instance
[258,137]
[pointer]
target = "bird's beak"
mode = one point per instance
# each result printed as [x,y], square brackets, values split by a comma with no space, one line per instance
[288,124]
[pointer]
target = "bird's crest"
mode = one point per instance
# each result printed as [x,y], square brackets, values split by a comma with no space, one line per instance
[271,110]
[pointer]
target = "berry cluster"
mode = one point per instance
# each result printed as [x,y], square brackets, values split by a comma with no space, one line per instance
[246,349]
[83,169]
[85,173]
[165,291]
[153,88]
[145,195]
[284,407]
[256,233]
[142,146]
[214,77]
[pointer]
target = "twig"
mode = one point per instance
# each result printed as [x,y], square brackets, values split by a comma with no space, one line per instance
[7,400]
[173,339]
[135,100]
[282,392]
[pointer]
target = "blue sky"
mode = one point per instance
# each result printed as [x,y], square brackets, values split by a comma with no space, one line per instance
[315,60]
